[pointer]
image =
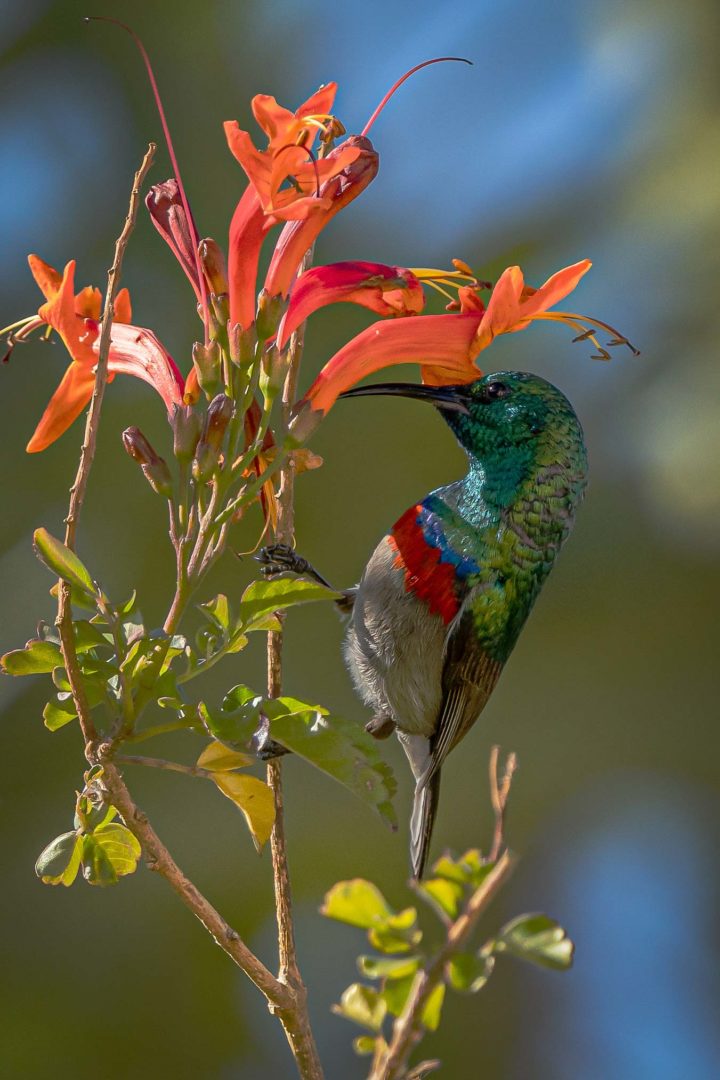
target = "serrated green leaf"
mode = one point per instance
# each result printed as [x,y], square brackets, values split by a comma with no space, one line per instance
[363,1005]
[342,750]
[219,758]
[397,934]
[59,862]
[59,711]
[119,846]
[264,597]
[536,938]
[395,993]
[37,658]
[255,799]
[357,902]
[364,1045]
[387,967]
[63,562]
[444,895]
[430,1015]
[468,972]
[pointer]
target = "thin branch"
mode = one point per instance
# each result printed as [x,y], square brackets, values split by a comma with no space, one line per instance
[87,454]
[407,1030]
[289,971]
[163,763]
[499,792]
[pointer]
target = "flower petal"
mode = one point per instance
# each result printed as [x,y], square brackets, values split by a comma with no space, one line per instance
[165,206]
[440,344]
[48,279]
[248,228]
[298,236]
[387,290]
[66,404]
[136,351]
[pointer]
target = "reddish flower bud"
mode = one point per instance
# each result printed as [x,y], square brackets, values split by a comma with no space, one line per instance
[242,345]
[269,312]
[153,466]
[213,264]
[207,454]
[166,209]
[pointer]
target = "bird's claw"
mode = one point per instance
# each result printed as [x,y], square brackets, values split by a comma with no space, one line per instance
[279,559]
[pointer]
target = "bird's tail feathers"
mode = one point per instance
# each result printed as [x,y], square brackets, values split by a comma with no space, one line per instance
[425,803]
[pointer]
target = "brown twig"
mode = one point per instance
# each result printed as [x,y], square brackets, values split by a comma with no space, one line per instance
[499,792]
[289,971]
[163,763]
[87,454]
[390,1060]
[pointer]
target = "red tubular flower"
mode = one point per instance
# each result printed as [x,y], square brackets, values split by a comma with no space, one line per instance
[445,346]
[387,290]
[248,229]
[289,154]
[298,236]
[75,318]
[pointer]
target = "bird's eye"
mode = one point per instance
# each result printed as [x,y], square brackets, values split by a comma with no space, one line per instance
[494,391]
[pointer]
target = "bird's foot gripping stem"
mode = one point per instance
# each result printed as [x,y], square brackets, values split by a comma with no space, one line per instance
[282,559]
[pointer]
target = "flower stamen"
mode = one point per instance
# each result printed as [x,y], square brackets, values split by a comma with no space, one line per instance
[396,85]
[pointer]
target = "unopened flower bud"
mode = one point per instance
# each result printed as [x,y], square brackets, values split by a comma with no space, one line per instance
[207,454]
[242,344]
[153,466]
[207,361]
[275,365]
[221,307]
[213,264]
[186,431]
[269,313]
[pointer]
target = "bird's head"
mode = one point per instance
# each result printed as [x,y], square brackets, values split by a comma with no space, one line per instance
[501,413]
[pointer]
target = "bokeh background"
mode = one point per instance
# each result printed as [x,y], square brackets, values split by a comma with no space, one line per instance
[584,129]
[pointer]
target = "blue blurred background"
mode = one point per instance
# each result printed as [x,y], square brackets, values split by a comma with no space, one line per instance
[584,129]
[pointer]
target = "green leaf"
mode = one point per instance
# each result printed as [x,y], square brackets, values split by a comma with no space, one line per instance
[537,938]
[397,934]
[430,1015]
[443,895]
[237,719]
[118,845]
[63,562]
[263,597]
[395,993]
[96,864]
[363,1005]
[357,902]
[217,611]
[468,972]
[387,967]
[364,1045]
[219,758]
[255,799]
[59,862]
[59,711]
[88,636]
[339,748]
[37,658]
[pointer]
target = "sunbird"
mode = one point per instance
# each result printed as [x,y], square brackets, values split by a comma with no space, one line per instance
[446,592]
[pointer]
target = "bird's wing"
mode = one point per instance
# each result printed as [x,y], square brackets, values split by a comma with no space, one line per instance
[468,678]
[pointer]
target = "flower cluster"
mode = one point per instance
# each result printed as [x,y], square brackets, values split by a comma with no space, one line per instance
[298,182]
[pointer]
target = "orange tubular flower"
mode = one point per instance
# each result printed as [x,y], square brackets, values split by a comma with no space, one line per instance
[445,346]
[289,158]
[388,290]
[75,318]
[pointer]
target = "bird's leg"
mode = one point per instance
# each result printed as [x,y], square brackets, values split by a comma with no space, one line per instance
[282,559]
[380,726]
[265,747]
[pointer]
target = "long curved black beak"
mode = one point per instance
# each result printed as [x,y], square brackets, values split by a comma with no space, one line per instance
[448,398]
